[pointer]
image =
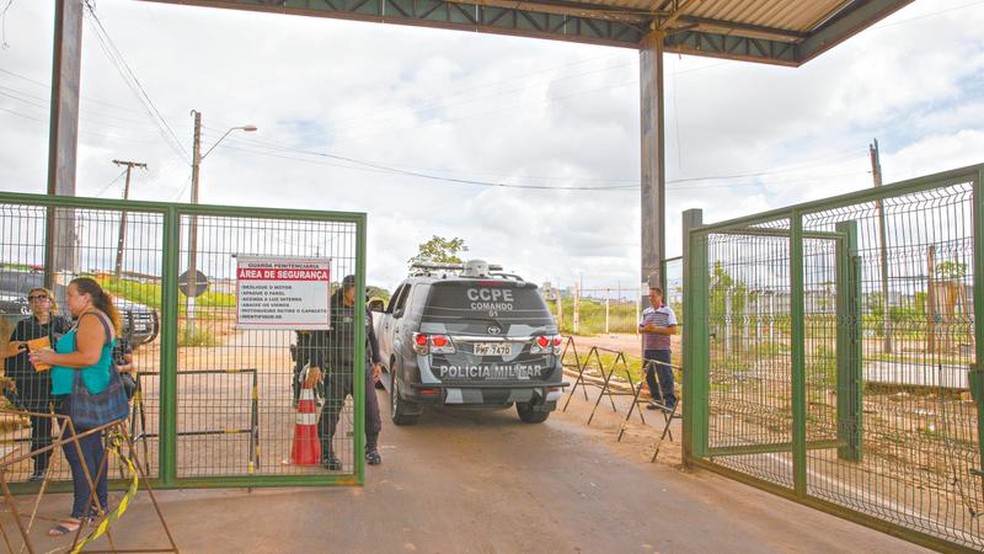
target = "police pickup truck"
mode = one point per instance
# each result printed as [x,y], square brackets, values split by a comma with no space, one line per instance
[468,335]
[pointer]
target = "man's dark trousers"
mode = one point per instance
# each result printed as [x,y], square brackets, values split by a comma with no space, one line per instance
[660,368]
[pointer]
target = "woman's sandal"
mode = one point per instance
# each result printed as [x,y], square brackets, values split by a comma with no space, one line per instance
[64,528]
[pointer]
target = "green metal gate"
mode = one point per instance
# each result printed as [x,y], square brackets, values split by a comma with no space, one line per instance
[216,405]
[830,351]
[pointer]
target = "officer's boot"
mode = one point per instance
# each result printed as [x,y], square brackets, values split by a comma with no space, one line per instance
[372,450]
[328,459]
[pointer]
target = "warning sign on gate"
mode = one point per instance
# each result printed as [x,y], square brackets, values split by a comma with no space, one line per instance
[283,293]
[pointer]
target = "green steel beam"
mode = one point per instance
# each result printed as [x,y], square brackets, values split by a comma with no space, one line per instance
[780,233]
[769,448]
[732,47]
[976,375]
[617,30]
[249,481]
[359,391]
[797,313]
[580,22]
[167,451]
[185,209]
[696,338]
[845,25]
[849,344]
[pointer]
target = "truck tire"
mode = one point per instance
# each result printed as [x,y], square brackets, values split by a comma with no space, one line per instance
[528,415]
[399,407]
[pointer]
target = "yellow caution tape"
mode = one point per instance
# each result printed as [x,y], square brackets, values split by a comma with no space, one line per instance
[115,441]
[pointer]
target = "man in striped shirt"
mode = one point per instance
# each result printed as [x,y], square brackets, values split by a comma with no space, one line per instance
[658,323]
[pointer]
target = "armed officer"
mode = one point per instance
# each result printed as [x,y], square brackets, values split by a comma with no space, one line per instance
[334,351]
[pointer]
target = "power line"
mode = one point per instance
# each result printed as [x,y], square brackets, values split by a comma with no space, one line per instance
[361,165]
[107,46]
[109,184]
[3,24]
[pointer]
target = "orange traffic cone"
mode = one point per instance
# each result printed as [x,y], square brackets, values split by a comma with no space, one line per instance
[306,449]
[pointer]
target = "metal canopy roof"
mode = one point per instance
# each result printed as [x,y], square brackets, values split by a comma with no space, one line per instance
[784,32]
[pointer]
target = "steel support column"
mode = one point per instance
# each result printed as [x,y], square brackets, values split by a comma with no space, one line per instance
[653,196]
[63,137]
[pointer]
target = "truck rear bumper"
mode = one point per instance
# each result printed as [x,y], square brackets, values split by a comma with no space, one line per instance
[488,394]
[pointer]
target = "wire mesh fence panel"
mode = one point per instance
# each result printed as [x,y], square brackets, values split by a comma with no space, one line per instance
[749,394]
[215,399]
[918,426]
[865,401]
[121,250]
[238,387]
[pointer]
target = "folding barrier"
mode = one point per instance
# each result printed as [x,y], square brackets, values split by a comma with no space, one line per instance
[251,427]
[607,388]
[118,442]
[607,380]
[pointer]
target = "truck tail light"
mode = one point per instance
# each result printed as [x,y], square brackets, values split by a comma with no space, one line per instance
[438,344]
[546,344]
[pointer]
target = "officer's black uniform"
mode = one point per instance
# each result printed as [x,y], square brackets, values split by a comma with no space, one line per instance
[302,355]
[334,352]
[34,387]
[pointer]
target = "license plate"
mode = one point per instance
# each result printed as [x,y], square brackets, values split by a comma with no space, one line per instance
[493,348]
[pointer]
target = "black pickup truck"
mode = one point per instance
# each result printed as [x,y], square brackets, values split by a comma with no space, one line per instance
[141,324]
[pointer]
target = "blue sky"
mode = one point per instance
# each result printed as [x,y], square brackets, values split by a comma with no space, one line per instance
[742,137]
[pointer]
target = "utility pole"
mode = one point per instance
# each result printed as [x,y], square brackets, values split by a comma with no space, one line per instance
[196,160]
[886,312]
[126,196]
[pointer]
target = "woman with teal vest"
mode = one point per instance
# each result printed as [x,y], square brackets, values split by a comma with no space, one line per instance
[87,348]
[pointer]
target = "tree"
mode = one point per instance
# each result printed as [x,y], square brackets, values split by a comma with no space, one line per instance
[440,250]
[951,270]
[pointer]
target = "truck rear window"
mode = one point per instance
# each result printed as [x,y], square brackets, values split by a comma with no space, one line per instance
[502,301]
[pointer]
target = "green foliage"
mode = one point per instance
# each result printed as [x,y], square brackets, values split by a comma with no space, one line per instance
[200,337]
[621,316]
[148,294]
[768,349]
[821,367]
[377,292]
[876,304]
[951,270]
[216,300]
[439,250]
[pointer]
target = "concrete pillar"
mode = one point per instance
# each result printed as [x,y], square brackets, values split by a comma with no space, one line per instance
[653,199]
[60,253]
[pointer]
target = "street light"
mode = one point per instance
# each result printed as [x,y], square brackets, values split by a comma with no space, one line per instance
[196,160]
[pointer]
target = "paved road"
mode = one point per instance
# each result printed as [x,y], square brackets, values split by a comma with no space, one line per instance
[483,482]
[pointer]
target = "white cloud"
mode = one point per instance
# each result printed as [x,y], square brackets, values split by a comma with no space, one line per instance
[494,109]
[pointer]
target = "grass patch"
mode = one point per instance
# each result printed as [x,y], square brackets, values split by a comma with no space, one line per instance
[149,294]
[198,337]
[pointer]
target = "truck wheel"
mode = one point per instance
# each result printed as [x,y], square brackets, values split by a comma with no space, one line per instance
[529,415]
[398,406]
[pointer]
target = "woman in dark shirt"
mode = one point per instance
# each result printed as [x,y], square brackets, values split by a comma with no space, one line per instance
[33,387]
